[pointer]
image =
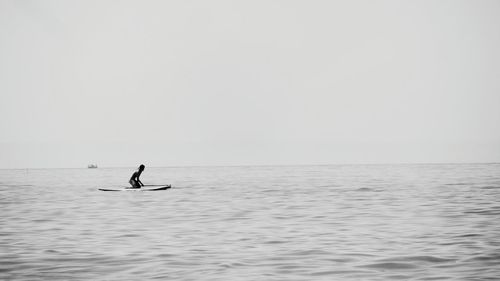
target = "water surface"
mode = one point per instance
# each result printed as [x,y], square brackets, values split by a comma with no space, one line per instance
[339,222]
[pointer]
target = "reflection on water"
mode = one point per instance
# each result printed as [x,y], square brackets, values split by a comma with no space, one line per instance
[373,222]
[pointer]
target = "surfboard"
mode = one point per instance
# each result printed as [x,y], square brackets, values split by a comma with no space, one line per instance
[144,188]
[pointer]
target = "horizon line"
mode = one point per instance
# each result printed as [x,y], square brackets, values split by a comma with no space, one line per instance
[260,165]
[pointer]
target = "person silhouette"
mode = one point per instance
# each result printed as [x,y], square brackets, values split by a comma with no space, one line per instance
[134,181]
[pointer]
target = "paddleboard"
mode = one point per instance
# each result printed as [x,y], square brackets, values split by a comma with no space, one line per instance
[155,188]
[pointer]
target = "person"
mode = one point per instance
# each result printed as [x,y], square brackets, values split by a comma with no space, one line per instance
[134,180]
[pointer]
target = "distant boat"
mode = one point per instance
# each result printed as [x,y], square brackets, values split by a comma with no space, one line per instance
[92,166]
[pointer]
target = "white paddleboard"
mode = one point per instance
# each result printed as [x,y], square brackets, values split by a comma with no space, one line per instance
[144,188]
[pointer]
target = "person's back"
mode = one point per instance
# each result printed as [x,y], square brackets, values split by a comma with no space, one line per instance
[134,181]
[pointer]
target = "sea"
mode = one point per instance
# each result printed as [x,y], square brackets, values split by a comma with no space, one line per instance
[329,222]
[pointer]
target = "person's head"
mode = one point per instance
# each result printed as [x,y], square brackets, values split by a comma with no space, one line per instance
[141,168]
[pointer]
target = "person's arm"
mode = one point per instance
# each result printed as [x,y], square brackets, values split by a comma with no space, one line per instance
[138,180]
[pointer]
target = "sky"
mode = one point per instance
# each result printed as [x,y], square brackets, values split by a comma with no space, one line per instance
[176,83]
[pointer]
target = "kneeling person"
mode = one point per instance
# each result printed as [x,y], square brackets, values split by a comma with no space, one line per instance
[134,180]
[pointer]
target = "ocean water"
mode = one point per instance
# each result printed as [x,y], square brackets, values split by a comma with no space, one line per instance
[339,222]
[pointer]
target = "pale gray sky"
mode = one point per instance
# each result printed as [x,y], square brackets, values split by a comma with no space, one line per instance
[119,83]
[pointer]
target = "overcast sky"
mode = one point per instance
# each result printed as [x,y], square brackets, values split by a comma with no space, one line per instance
[168,83]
